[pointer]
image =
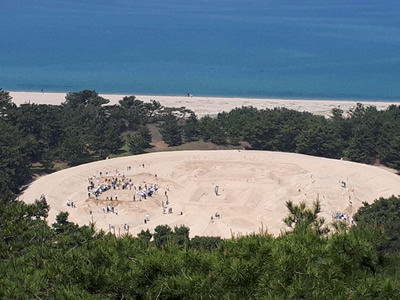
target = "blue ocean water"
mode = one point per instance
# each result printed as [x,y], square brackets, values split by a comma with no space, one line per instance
[336,49]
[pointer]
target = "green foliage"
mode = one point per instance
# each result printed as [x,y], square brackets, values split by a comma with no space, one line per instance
[171,131]
[24,241]
[366,126]
[213,130]
[5,98]
[383,214]
[135,113]
[390,153]
[141,140]
[62,224]
[91,130]
[204,243]
[181,236]
[275,129]
[191,130]
[76,262]
[145,235]
[236,122]
[129,102]
[162,234]
[136,144]
[5,105]
[145,133]
[74,149]
[15,153]
[301,218]
[85,98]
[320,140]
[389,140]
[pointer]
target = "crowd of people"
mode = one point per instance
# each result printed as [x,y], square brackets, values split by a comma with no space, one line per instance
[113,183]
[343,217]
[101,183]
[141,192]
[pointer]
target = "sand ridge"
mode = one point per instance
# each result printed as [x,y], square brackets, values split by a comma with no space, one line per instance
[253,189]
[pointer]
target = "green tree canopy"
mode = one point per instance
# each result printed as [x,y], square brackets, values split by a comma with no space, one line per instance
[84,98]
[171,131]
[384,214]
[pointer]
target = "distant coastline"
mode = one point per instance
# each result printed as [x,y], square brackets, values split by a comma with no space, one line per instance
[205,95]
[204,105]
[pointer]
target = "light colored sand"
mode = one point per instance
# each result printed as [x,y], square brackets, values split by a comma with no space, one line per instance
[210,105]
[254,186]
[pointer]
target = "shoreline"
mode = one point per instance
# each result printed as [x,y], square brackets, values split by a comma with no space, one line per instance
[203,105]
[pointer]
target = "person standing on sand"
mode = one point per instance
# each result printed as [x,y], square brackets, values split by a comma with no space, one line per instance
[166,198]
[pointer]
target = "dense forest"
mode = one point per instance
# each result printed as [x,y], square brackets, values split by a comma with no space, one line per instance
[65,261]
[311,260]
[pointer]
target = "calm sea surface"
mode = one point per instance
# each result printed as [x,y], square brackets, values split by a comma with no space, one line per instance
[256,48]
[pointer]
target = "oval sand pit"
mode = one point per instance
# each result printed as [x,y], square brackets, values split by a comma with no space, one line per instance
[247,189]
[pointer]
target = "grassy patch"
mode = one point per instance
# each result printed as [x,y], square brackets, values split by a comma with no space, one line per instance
[199,145]
[124,151]
[59,165]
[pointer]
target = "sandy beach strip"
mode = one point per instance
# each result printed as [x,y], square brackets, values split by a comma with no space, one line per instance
[211,105]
